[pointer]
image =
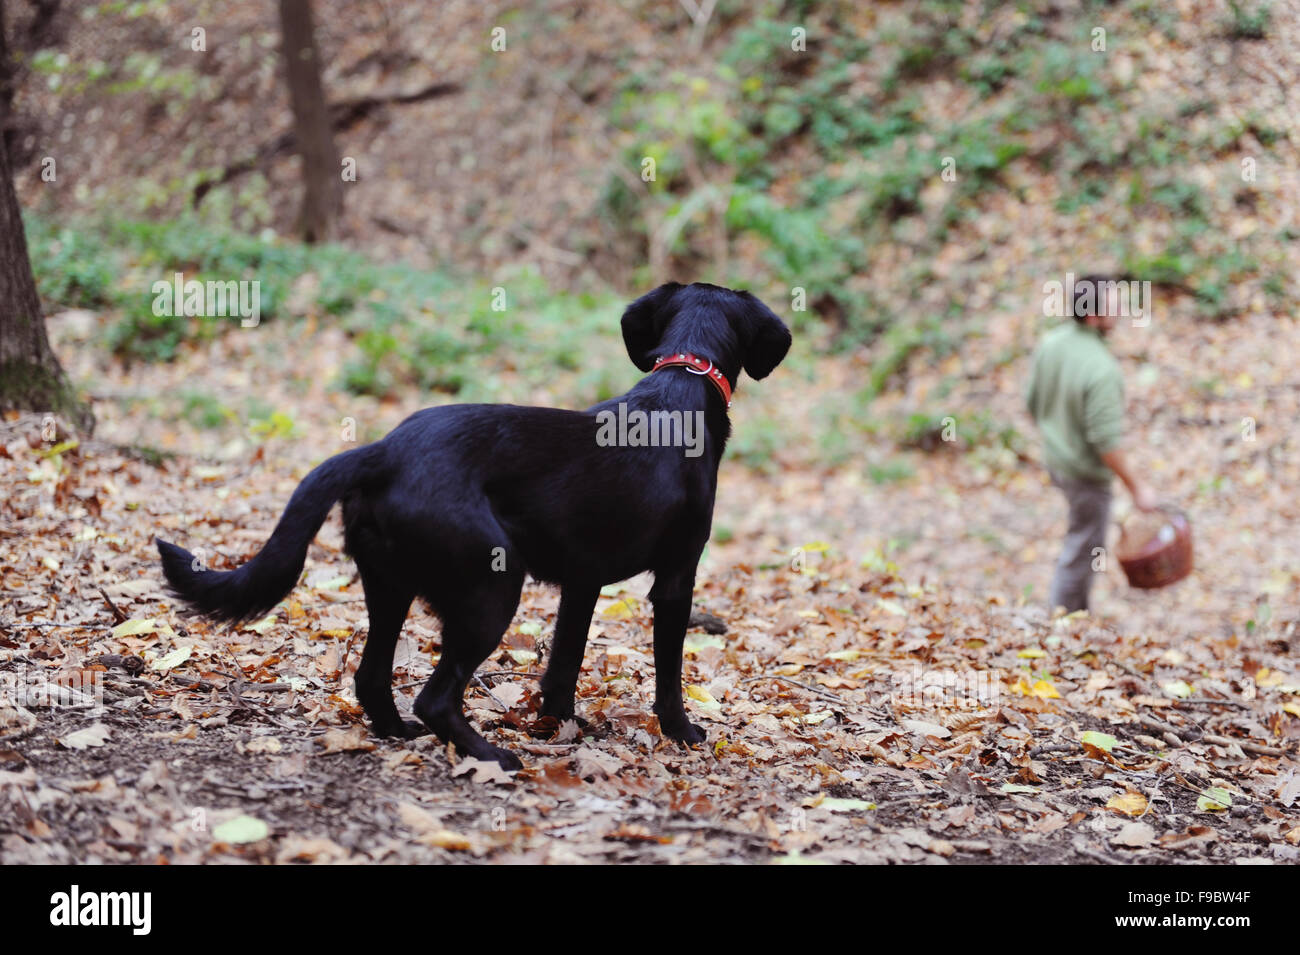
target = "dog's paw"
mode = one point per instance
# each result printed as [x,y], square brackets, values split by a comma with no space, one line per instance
[505,759]
[414,729]
[685,732]
[563,715]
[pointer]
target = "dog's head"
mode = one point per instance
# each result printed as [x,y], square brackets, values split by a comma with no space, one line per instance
[732,329]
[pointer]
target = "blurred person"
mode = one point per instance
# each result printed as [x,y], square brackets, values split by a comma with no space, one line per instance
[1076,397]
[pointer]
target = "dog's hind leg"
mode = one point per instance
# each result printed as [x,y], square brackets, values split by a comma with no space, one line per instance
[387,604]
[577,601]
[472,626]
[671,596]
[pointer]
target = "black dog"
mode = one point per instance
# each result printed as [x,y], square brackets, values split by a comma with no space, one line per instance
[458,503]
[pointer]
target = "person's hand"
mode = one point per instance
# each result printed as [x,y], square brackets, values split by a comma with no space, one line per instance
[1144,499]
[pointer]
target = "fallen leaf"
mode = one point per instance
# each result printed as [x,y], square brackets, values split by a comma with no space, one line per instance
[1043,689]
[134,628]
[1131,804]
[1134,835]
[172,660]
[95,735]
[703,698]
[592,762]
[241,830]
[484,770]
[346,740]
[1214,799]
[834,804]
[624,609]
[1103,741]
[926,728]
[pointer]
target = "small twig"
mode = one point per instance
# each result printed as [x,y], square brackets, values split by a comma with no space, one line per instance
[347,652]
[118,615]
[811,689]
[488,673]
[196,684]
[24,624]
[1187,736]
[1259,749]
[1234,703]
[488,689]
[1070,746]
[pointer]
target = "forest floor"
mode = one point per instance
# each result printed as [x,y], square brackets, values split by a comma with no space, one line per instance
[888,689]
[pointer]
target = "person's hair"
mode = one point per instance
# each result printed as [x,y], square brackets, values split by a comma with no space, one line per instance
[1090,282]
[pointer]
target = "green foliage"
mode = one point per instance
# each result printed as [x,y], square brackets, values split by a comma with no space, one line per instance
[72,269]
[1249,20]
[410,328]
[203,410]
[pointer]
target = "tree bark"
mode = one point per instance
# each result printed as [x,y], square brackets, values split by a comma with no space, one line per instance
[322,199]
[31,378]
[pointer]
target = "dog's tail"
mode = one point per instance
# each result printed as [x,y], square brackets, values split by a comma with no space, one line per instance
[254,588]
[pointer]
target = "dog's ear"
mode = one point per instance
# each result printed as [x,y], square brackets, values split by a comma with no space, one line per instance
[765,338]
[644,322]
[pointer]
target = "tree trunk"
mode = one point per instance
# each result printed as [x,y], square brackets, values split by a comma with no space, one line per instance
[31,378]
[322,199]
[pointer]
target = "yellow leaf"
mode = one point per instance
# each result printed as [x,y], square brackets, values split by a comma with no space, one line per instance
[521,656]
[1266,677]
[1103,741]
[445,839]
[334,583]
[135,628]
[263,625]
[1292,707]
[173,659]
[624,609]
[694,645]
[1043,689]
[844,655]
[812,719]
[1214,799]
[703,697]
[1131,804]
[834,804]
[50,562]
[241,830]
[891,606]
[1178,688]
[1031,653]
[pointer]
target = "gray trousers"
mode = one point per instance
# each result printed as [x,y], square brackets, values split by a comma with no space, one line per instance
[1089,508]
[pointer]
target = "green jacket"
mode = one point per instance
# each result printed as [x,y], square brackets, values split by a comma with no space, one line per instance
[1076,395]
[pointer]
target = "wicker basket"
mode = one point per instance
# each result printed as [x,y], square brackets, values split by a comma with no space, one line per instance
[1159,557]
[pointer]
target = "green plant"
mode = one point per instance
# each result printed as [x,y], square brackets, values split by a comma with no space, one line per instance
[1248,21]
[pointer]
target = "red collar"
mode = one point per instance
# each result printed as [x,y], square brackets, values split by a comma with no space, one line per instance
[698,366]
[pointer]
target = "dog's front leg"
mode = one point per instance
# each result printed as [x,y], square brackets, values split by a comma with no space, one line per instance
[577,601]
[672,605]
